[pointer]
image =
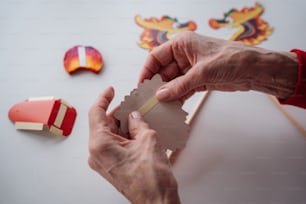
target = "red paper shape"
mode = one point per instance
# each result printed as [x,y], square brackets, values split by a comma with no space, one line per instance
[83,58]
[33,114]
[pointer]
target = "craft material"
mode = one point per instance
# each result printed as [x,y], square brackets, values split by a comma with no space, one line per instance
[36,113]
[157,31]
[173,155]
[251,28]
[83,58]
[167,118]
[288,115]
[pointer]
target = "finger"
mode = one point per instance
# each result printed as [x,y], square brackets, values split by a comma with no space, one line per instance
[187,96]
[113,122]
[151,67]
[158,58]
[167,73]
[97,113]
[170,72]
[181,86]
[175,89]
[114,110]
[136,124]
[163,53]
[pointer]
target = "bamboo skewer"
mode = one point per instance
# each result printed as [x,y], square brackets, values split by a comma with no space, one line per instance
[288,115]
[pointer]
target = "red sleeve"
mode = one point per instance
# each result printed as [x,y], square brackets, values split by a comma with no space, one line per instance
[298,98]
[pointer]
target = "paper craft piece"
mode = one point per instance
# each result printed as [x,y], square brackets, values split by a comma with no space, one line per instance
[168,119]
[252,30]
[157,31]
[83,57]
[35,113]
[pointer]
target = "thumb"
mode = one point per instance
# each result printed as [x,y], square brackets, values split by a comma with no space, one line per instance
[136,124]
[176,88]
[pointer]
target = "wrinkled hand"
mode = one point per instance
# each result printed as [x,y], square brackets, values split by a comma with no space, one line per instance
[137,167]
[192,62]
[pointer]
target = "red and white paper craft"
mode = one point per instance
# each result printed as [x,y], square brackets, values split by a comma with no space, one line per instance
[35,113]
[83,58]
[167,118]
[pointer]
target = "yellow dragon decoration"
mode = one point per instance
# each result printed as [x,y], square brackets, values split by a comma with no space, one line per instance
[252,30]
[157,31]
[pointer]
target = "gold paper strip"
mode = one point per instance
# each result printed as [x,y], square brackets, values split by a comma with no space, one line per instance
[147,106]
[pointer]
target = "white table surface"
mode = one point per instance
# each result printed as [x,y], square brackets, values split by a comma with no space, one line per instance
[241,148]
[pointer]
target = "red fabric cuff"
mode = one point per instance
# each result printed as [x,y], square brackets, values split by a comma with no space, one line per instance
[298,98]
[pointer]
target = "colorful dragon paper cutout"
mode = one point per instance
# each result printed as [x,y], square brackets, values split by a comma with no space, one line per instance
[252,30]
[157,31]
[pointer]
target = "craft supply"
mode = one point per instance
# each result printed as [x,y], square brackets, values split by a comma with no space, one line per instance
[288,115]
[251,28]
[83,58]
[147,106]
[157,31]
[35,113]
[173,155]
[167,118]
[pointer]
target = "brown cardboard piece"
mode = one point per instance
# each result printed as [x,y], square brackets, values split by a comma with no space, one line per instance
[167,118]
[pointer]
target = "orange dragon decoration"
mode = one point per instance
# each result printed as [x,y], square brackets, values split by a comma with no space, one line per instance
[252,30]
[157,31]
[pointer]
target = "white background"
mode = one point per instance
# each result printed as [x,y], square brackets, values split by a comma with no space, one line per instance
[241,150]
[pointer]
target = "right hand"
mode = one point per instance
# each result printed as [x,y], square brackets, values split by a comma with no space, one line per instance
[191,62]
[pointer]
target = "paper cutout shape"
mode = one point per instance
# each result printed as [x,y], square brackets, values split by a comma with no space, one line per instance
[84,58]
[35,113]
[252,30]
[168,119]
[157,31]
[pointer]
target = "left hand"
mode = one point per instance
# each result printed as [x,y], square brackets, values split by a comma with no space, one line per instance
[137,167]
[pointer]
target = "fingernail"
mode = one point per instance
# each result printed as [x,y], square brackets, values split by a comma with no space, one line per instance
[136,115]
[163,94]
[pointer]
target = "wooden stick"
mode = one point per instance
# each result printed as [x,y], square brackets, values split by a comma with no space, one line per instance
[288,115]
[175,154]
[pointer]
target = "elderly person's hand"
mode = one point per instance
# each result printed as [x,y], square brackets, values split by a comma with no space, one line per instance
[191,62]
[137,166]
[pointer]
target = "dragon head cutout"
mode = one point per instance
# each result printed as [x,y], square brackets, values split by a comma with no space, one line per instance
[252,30]
[157,31]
